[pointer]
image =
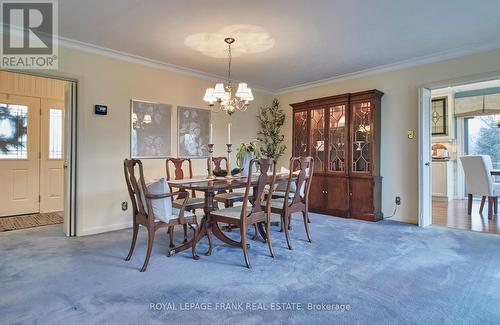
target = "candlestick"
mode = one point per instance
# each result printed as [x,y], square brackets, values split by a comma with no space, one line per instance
[210,161]
[229,133]
[210,139]
[229,160]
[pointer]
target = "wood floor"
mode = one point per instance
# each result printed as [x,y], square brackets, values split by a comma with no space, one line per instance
[453,214]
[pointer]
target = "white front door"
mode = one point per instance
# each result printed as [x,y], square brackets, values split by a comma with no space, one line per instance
[52,157]
[424,162]
[19,154]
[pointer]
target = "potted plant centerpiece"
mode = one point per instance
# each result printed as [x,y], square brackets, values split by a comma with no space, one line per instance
[246,152]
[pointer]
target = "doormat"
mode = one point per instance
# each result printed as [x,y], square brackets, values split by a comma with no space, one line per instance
[30,221]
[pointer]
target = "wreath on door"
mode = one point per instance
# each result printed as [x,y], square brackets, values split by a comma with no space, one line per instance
[12,128]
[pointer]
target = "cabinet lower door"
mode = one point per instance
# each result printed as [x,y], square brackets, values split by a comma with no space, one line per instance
[363,192]
[337,200]
[317,194]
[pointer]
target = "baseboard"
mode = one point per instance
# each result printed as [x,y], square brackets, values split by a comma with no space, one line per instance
[99,230]
[410,219]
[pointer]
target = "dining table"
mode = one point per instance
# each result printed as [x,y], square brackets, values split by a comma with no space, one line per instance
[210,187]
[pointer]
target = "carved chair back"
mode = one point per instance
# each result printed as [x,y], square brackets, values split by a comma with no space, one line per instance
[217,164]
[302,168]
[136,185]
[178,172]
[267,176]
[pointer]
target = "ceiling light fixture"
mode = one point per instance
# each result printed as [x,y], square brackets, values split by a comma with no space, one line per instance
[222,94]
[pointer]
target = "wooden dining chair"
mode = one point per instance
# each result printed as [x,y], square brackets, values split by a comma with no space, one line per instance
[193,202]
[300,176]
[248,213]
[228,198]
[146,211]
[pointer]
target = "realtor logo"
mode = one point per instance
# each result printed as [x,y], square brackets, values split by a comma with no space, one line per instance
[29,30]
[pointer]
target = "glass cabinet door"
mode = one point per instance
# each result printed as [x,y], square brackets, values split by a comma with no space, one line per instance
[318,138]
[337,139]
[300,134]
[361,137]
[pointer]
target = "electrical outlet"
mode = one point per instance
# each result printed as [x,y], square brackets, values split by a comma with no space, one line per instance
[411,134]
[124,206]
[398,200]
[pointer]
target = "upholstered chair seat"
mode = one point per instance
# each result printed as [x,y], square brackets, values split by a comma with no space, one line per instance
[176,212]
[193,201]
[276,203]
[230,196]
[233,212]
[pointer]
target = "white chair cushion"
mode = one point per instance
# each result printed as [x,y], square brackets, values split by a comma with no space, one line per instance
[232,212]
[162,208]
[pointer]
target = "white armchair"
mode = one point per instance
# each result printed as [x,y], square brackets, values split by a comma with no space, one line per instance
[479,181]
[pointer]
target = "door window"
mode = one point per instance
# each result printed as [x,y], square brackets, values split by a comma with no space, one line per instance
[55,133]
[13,131]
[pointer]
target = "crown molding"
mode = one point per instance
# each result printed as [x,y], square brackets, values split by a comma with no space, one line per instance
[132,58]
[426,59]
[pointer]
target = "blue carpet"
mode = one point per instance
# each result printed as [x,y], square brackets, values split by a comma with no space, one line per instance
[368,273]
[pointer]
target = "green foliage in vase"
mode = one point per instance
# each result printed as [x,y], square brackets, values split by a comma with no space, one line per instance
[245,149]
[271,119]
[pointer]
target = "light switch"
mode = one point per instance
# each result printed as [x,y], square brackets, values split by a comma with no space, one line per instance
[411,134]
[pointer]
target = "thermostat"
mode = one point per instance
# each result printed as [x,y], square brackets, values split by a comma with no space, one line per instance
[101,109]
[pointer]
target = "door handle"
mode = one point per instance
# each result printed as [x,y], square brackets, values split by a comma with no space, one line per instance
[65,165]
[427,164]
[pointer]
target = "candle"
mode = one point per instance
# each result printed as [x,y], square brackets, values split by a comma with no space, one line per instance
[210,139]
[229,133]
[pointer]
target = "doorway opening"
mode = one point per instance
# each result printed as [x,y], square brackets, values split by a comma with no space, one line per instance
[36,137]
[465,121]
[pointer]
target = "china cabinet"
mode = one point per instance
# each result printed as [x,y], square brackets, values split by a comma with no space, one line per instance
[342,134]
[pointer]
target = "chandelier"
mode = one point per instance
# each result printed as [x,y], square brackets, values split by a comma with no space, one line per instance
[221,97]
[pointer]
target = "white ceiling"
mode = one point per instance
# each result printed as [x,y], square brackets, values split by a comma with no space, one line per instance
[311,40]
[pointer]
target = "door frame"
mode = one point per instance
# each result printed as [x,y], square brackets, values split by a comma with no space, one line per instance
[70,147]
[425,145]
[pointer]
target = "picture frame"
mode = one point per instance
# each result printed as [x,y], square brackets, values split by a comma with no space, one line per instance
[193,130]
[150,129]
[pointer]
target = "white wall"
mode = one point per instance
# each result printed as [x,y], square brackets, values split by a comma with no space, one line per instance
[399,113]
[104,141]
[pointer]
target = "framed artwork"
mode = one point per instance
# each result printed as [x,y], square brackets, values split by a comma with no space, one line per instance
[151,129]
[194,128]
[439,116]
